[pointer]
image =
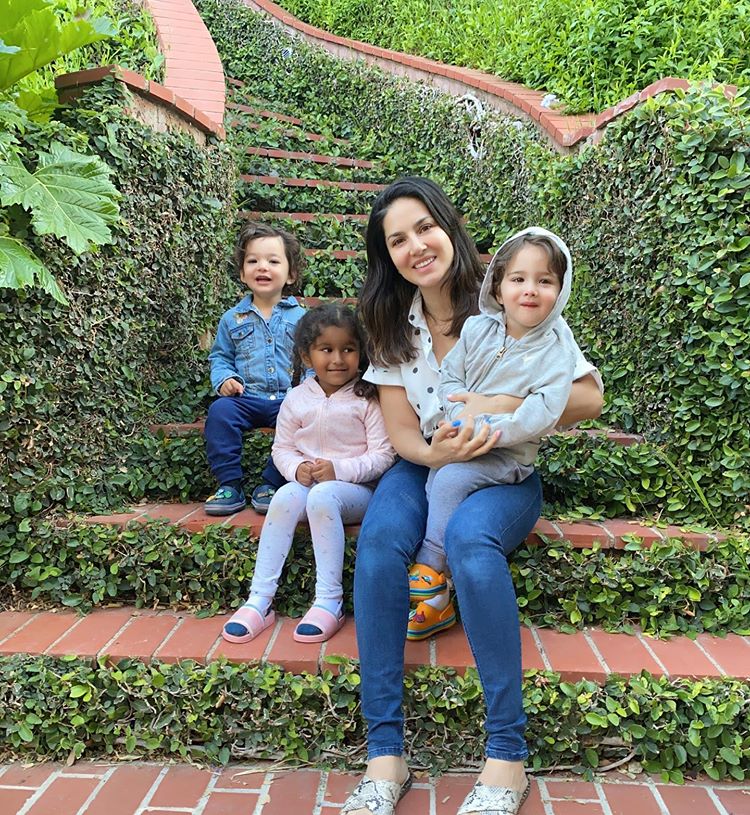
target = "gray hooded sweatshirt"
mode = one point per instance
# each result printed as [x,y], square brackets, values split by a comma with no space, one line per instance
[538,367]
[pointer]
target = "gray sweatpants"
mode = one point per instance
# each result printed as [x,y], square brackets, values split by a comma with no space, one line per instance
[448,486]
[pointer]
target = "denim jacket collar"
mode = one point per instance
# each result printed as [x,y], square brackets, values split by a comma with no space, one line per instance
[246,304]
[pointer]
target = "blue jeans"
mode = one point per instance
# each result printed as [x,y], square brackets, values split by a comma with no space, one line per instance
[486,527]
[228,418]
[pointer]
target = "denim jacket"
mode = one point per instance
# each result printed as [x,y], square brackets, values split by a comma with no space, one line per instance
[256,352]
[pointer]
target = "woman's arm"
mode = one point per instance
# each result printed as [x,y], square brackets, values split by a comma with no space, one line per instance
[448,445]
[476,403]
[585,401]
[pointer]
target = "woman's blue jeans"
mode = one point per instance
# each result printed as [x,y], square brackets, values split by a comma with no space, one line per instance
[485,528]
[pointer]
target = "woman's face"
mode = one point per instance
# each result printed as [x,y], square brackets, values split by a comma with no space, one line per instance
[420,250]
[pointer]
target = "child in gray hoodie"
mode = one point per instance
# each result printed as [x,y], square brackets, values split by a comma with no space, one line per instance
[518,345]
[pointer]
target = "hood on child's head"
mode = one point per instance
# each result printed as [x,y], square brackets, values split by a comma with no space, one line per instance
[488,304]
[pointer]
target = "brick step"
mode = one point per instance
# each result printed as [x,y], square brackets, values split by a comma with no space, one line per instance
[302,217]
[335,254]
[298,155]
[264,788]
[317,137]
[607,434]
[612,533]
[264,114]
[170,636]
[360,186]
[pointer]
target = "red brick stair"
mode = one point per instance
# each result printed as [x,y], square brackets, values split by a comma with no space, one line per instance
[298,155]
[361,186]
[289,133]
[170,636]
[263,788]
[264,114]
[303,217]
[613,533]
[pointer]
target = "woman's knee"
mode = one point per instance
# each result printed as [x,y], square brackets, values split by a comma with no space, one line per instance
[500,516]
[381,546]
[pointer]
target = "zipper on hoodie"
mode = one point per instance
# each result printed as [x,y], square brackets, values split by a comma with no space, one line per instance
[322,421]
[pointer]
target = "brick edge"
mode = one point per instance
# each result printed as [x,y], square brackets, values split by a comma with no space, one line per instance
[70,84]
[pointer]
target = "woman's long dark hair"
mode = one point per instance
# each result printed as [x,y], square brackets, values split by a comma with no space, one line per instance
[386,296]
[311,326]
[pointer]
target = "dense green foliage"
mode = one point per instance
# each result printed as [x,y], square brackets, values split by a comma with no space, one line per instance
[55,190]
[656,217]
[75,382]
[60,707]
[590,54]
[132,45]
[668,588]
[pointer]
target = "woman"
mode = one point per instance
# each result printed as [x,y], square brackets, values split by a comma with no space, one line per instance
[422,284]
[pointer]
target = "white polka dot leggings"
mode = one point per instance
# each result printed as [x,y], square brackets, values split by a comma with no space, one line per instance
[327,507]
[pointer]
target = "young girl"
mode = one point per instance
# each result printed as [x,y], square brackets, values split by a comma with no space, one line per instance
[332,446]
[251,359]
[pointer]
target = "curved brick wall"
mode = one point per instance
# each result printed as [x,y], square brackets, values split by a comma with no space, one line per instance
[193,95]
[564,132]
[193,67]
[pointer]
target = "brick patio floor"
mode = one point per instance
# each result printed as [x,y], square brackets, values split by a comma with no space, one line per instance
[91,788]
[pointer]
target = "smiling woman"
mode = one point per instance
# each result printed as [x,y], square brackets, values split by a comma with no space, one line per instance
[420,249]
[422,286]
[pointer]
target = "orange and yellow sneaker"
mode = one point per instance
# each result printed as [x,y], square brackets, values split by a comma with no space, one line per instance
[425,582]
[425,620]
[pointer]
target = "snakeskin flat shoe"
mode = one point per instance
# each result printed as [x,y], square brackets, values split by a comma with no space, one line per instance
[484,800]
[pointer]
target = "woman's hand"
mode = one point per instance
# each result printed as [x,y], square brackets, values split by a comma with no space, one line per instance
[476,403]
[452,442]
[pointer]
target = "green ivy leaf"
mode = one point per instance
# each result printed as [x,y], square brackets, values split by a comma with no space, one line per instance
[729,755]
[78,690]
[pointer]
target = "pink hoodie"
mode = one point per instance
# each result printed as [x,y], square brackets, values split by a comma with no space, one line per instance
[343,428]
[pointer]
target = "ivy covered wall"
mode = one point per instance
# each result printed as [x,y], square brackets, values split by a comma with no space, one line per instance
[77,382]
[657,219]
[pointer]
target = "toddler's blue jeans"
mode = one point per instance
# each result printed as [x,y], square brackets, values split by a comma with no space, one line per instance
[486,527]
[228,418]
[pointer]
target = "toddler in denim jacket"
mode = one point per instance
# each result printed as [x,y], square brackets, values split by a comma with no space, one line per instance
[251,361]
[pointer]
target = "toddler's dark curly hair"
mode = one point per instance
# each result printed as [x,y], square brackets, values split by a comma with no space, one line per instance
[312,325]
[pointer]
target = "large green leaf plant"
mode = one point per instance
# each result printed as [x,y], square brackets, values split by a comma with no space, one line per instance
[50,190]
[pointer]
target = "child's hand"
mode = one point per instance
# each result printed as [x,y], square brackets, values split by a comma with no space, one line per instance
[304,474]
[231,387]
[322,470]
